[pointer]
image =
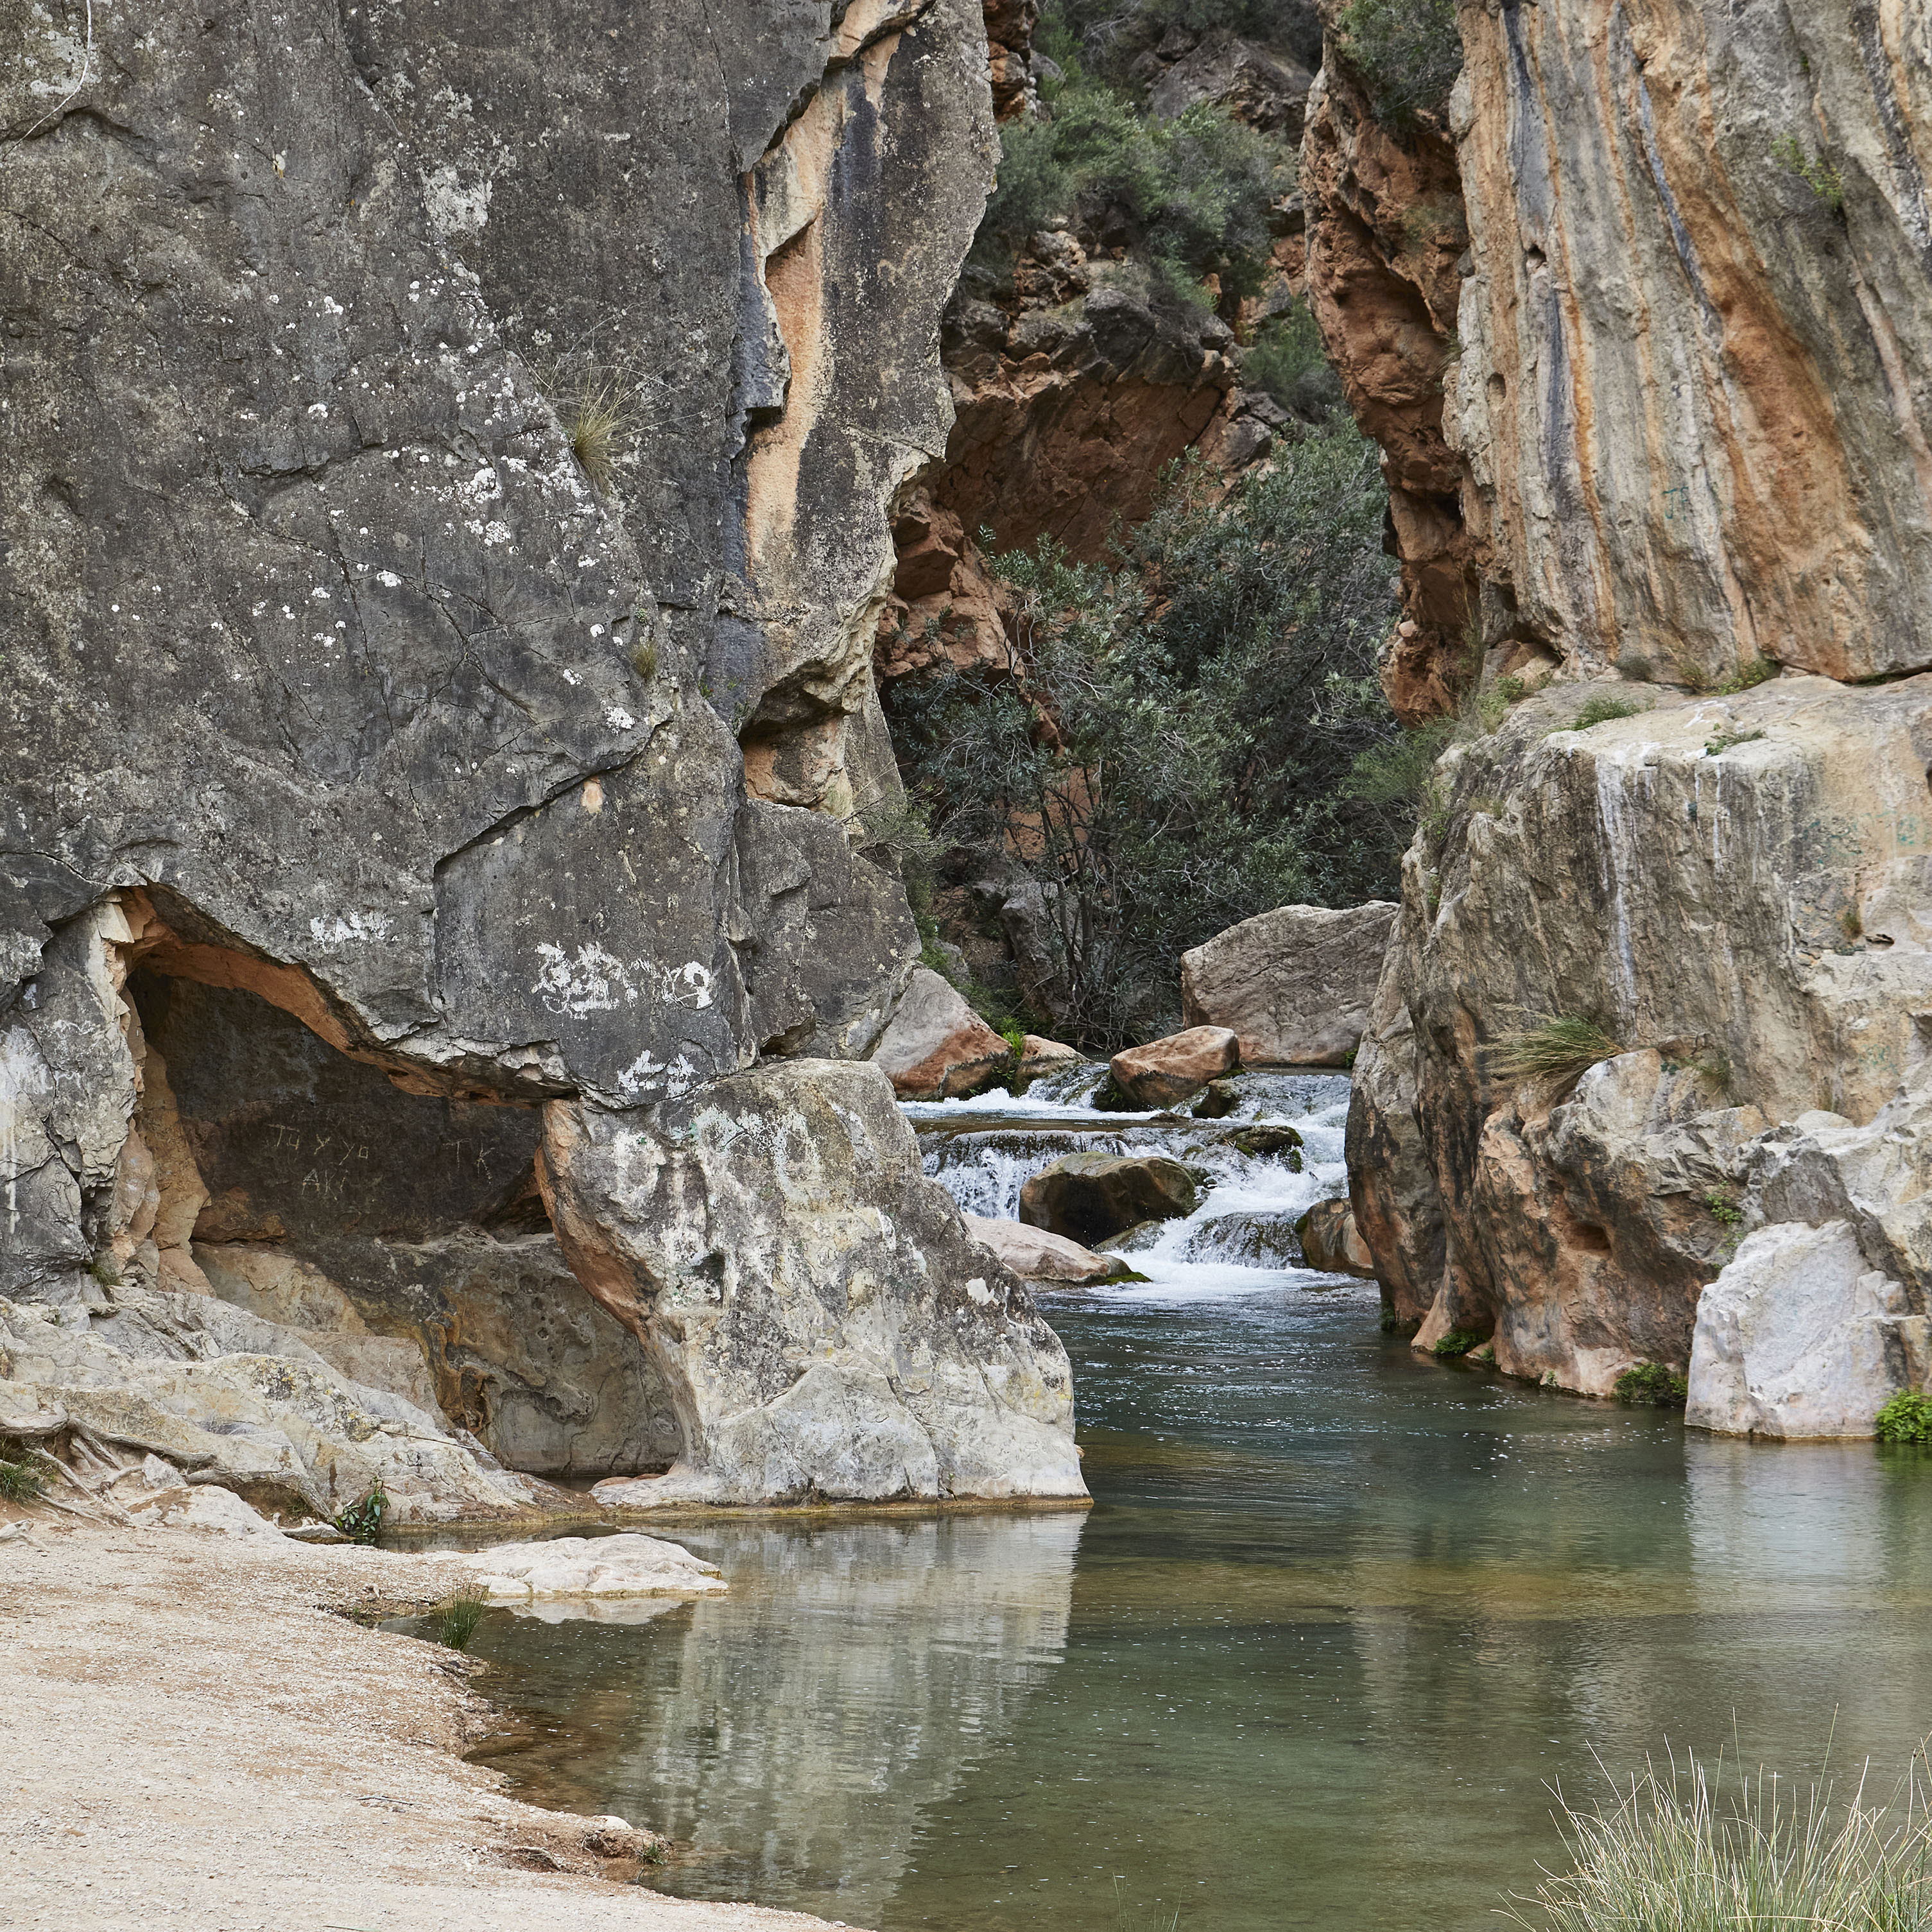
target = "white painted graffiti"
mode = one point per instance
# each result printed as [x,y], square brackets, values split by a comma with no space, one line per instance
[592,980]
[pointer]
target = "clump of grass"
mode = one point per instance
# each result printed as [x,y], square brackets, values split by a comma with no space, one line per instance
[1724,740]
[1906,1418]
[20,1483]
[1557,1049]
[361,1521]
[601,398]
[1759,671]
[456,1621]
[1457,1342]
[1820,175]
[1652,1385]
[1674,1853]
[104,1270]
[1601,710]
[1713,1065]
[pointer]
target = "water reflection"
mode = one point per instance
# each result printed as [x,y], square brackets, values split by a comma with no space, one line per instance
[1337,1619]
[793,1733]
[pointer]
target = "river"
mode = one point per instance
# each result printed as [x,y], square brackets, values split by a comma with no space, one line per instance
[1337,1621]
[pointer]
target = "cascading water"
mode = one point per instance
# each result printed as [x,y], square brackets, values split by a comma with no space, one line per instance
[1241,1238]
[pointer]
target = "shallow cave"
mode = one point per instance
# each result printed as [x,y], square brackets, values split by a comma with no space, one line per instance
[307,1187]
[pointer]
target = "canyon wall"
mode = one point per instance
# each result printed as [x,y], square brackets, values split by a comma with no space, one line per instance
[1682,406]
[445,486]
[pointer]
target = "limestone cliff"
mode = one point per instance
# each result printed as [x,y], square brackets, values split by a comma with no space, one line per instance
[445,488]
[1682,420]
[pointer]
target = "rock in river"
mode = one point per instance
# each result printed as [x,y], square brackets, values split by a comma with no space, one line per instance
[1087,1197]
[591,1566]
[1035,1255]
[1329,1240]
[1164,1072]
[936,1047]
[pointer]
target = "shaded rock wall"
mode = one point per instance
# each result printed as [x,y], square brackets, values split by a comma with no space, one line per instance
[346,667]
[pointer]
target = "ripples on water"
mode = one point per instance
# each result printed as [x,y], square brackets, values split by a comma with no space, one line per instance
[1337,1619]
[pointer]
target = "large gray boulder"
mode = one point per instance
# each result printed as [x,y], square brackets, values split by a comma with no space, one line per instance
[824,1325]
[1295,985]
[355,669]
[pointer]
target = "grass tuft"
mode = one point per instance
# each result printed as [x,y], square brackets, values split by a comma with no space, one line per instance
[456,1621]
[20,1483]
[1675,1853]
[1601,710]
[1559,1049]
[1906,1418]
[1652,1385]
[1457,1342]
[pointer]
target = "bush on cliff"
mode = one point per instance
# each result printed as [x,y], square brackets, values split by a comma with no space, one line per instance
[1194,192]
[1407,53]
[1165,753]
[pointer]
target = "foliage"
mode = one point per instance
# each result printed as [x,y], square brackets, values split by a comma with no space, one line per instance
[1724,1208]
[361,1521]
[1407,52]
[1601,710]
[1759,671]
[1905,1418]
[1287,360]
[1723,741]
[1819,174]
[1457,1342]
[1652,1385]
[1104,35]
[20,1483]
[1163,754]
[601,399]
[1556,1049]
[1675,1853]
[1195,190]
[456,1621]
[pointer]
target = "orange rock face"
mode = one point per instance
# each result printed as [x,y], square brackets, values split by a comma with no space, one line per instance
[1385,234]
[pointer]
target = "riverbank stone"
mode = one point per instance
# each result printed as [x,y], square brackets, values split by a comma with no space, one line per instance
[1039,1256]
[1089,1197]
[936,1047]
[1330,1241]
[628,1565]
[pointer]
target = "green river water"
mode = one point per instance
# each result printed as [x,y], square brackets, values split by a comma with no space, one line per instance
[1335,1621]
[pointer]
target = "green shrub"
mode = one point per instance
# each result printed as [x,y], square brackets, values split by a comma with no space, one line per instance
[1557,1049]
[1673,1853]
[1601,710]
[1723,1207]
[1906,1418]
[1819,174]
[361,1521]
[1196,189]
[457,1620]
[1457,1342]
[1407,53]
[20,1483]
[1759,671]
[1206,697]
[1652,1385]
[1286,360]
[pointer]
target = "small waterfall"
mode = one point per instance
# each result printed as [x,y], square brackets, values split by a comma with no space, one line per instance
[1240,1239]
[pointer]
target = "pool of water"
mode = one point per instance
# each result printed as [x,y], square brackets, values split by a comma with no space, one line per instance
[1337,1620]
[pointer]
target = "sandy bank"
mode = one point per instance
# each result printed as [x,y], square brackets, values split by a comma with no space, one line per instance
[189,1737]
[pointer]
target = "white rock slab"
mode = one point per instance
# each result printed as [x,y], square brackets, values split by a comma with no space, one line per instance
[206,1507]
[1801,1336]
[1034,1255]
[629,1565]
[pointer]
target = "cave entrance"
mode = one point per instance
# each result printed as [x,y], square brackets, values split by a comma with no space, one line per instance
[401,1233]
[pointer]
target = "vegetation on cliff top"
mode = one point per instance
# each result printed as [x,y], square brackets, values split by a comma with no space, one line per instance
[1164,754]
[1407,52]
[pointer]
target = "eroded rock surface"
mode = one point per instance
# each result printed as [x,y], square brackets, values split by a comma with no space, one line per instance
[1164,1072]
[936,1047]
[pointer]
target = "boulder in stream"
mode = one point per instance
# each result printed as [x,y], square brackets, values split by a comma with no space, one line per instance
[1087,1197]
[1037,1255]
[936,1047]
[1330,1242]
[1164,1072]
[1295,985]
